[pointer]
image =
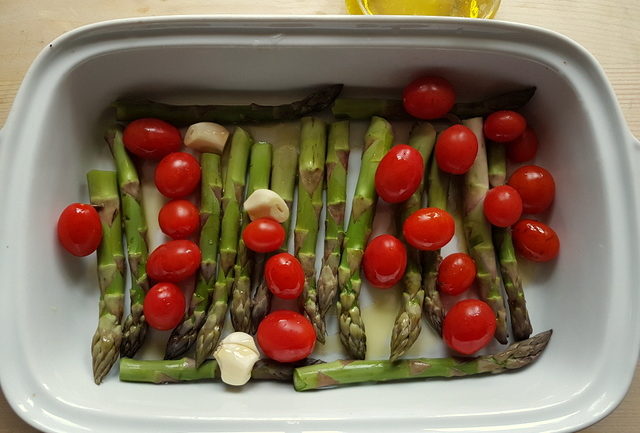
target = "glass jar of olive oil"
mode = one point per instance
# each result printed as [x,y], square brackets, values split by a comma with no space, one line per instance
[454,8]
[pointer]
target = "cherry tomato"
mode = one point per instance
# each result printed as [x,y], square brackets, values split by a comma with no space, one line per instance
[535,241]
[469,326]
[384,261]
[456,273]
[263,235]
[523,148]
[284,276]
[174,261]
[536,187]
[505,125]
[79,229]
[502,206]
[399,173]
[177,175]
[286,336]
[456,149]
[179,219]
[151,138]
[429,97]
[429,228]
[164,306]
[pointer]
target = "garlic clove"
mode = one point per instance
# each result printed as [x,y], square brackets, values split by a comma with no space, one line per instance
[206,137]
[265,203]
[236,355]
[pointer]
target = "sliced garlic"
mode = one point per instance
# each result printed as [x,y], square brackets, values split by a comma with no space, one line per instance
[236,354]
[264,203]
[206,137]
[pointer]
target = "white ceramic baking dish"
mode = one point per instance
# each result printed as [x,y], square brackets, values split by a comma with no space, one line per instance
[53,134]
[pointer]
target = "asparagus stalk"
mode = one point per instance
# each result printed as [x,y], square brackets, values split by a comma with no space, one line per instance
[336,178]
[187,114]
[283,181]
[233,194]
[184,335]
[406,328]
[437,194]
[478,233]
[393,109]
[340,373]
[259,174]
[520,323]
[313,145]
[135,226]
[377,142]
[185,370]
[105,346]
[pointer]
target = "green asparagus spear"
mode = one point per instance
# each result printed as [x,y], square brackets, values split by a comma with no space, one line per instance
[283,181]
[105,346]
[259,174]
[393,109]
[336,179]
[406,328]
[253,113]
[233,194]
[436,197]
[520,323]
[377,142]
[135,227]
[313,145]
[339,373]
[184,335]
[311,374]
[478,233]
[185,370]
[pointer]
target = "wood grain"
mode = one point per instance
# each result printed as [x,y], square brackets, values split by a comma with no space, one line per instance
[607,28]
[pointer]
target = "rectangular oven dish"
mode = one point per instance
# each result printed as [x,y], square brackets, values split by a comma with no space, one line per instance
[53,135]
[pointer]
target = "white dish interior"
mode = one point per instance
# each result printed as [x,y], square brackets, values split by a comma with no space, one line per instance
[53,136]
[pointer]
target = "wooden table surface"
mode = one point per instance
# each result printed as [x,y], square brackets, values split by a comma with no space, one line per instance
[607,28]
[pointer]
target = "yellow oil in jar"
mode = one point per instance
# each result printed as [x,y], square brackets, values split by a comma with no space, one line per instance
[454,8]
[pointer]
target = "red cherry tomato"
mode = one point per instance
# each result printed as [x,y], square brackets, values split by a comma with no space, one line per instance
[177,175]
[284,276]
[429,228]
[151,138]
[456,273]
[523,148]
[286,336]
[502,206]
[164,306]
[535,241]
[79,229]
[179,219]
[504,125]
[399,173]
[456,149]
[429,97]
[384,261]
[469,326]
[536,187]
[263,235]
[174,261]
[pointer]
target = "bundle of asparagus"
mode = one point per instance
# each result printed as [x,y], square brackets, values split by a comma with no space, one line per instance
[105,346]
[233,194]
[377,143]
[259,175]
[407,326]
[283,182]
[135,227]
[313,145]
[184,335]
[520,323]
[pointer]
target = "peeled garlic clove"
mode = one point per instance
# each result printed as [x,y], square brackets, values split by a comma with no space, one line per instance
[236,354]
[206,137]
[264,203]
